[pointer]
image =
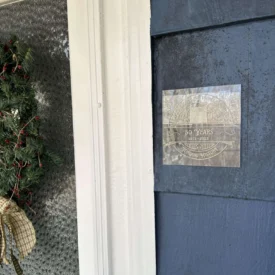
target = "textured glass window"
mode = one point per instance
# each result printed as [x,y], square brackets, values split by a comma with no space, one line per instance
[7,2]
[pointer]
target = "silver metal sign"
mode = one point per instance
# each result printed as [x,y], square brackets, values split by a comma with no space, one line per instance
[201,126]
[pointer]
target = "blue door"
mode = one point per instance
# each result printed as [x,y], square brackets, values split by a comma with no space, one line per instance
[217,220]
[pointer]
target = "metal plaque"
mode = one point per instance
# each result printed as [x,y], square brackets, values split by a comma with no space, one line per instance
[201,126]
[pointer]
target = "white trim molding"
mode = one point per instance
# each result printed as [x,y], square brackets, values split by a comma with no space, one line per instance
[89,137]
[111,91]
[127,62]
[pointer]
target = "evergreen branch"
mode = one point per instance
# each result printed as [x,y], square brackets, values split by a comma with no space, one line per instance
[22,151]
[18,136]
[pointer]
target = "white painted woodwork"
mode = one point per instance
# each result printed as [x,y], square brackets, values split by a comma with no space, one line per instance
[89,138]
[111,93]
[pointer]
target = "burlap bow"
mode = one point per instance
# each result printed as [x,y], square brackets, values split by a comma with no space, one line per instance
[14,221]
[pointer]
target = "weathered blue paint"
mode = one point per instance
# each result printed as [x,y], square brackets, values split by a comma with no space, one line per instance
[177,15]
[200,235]
[240,54]
[208,235]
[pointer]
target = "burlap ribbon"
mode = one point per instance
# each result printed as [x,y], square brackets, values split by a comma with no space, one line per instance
[14,221]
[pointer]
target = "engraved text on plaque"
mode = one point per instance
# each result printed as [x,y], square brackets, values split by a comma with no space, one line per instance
[201,126]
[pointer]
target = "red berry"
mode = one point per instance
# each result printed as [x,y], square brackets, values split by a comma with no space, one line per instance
[7,141]
[22,132]
[13,70]
[19,67]
[19,176]
[40,165]
[4,68]
[17,146]
[26,76]
[37,117]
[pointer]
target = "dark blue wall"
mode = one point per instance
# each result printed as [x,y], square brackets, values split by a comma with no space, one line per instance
[217,42]
[181,15]
[199,235]
[238,54]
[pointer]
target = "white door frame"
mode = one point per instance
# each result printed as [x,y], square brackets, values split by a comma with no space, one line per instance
[112,112]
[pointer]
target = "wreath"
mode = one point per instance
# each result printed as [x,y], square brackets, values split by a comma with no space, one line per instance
[22,150]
